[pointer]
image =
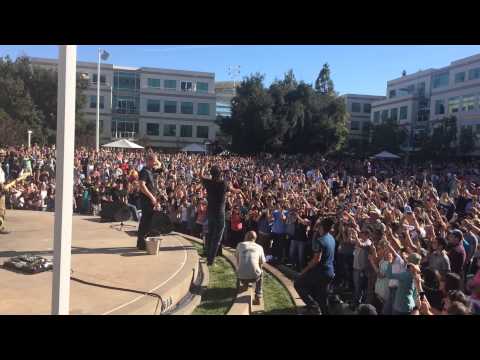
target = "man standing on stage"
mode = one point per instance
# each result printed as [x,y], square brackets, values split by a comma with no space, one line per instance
[216,189]
[147,199]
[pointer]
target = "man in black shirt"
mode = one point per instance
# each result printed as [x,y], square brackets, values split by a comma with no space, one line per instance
[216,189]
[147,199]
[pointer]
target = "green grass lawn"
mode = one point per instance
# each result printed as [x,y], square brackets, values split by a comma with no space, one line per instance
[222,288]
[276,299]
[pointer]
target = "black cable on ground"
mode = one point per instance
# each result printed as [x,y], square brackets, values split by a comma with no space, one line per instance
[160,299]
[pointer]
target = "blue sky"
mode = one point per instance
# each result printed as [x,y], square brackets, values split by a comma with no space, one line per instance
[358,69]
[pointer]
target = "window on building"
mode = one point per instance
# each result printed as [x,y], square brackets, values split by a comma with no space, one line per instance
[406,91]
[153,129]
[460,77]
[186,107]
[93,102]
[421,88]
[384,115]
[126,80]
[122,128]
[403,112]
[169,130]
[186,86]
[392,93]
[170,107]
[153,105]
[153,83]
[454,105]
[468,103]
[394,114]
[125,104]
[376,117]
[354,125]
[439,107]
[474,74]
[101,126]
[186,130]
[202,132]
[170,84]
[202,87]
[203,109]
[367,108]
[103,79]
[477,128]
[440,80]
[356,107]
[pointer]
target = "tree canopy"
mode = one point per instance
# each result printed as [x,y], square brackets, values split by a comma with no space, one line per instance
[288,116]
[28,100]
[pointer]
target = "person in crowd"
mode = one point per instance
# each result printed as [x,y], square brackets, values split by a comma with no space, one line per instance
[250,259]
[416,209]
[314,281]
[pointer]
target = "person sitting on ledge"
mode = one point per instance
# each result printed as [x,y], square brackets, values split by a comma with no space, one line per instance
[250,259]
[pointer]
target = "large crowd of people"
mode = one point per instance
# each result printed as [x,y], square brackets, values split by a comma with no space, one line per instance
[405,236]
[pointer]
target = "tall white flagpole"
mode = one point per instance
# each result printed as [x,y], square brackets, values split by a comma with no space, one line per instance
[67,65]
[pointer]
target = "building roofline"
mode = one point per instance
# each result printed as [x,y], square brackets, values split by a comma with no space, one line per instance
[47,61]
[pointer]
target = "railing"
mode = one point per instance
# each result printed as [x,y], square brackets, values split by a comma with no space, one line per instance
[124,135]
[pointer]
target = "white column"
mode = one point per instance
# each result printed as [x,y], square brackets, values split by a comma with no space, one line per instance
[64,179]
[29,138]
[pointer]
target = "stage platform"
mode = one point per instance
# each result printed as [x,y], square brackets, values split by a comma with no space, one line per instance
[109,275]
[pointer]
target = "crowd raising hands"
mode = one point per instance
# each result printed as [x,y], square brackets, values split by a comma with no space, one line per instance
[406,237]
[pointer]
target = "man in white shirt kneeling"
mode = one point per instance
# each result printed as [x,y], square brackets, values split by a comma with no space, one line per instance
[250,259]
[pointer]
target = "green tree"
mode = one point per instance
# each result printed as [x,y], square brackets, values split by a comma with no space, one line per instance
[466,141]
[387,136]
[324,84]
[441,140]
[252,127]
[28,99]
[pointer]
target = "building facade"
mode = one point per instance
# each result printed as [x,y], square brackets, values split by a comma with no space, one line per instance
[418,101]
[225,92]
[159,107]
[359,108]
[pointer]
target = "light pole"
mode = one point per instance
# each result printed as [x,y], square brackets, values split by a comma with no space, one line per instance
[102,55]
[29,138]
[233,73]
[62,239]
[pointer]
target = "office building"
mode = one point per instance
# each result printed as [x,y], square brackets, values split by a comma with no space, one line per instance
[359,108]
[419,100]
[158,107]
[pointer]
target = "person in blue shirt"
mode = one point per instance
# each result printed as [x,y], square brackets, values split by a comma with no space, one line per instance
[314,282]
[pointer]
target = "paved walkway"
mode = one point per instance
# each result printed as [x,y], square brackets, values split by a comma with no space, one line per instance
[100,255]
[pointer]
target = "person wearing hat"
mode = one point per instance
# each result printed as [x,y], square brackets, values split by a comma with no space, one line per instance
[406,293]
[456,252]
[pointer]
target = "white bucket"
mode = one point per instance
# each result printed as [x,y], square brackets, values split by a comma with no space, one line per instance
[153,244]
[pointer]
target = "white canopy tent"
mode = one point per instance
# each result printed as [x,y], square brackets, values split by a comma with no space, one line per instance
[195,148]
[123,144]
[385,155]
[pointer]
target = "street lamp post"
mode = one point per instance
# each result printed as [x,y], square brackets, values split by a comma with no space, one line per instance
[29,138]
[62,240]
[102,55]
